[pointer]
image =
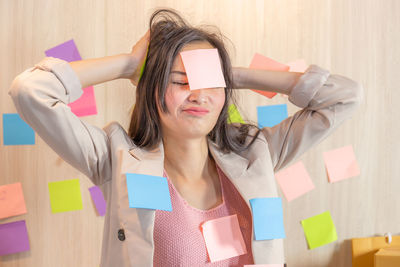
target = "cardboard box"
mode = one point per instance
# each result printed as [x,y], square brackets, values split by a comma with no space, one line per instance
[387,257]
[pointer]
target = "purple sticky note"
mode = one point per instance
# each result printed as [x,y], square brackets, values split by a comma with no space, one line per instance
[98,200]
[13,238]
[86,104]
[66,51]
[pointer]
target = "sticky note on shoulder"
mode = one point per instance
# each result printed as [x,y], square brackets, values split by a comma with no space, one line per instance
[12,200]
[341,164]
[267,218]
[223,238]
[16,131]
[319,230]
[65,196]
[14,238]
[148,192]
[203,68]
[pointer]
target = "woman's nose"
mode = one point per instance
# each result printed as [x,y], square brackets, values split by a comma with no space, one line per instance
[198,96]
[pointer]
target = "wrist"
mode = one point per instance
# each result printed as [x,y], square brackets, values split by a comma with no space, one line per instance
[130,66]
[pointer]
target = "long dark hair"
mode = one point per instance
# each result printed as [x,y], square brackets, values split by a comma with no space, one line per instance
[169,32]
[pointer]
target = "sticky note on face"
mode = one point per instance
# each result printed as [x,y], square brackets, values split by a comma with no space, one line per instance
[341,164]
[16,131]
[319,230]
[267,218]
[12,200]
[261,62]
[148,192]
[203,68]
[271,115]
[98,200]
[86,104]
[223,238]
[234,115]
[14,238]
[294,181]
[65,196]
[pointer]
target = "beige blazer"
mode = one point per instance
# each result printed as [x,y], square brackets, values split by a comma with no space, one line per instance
[41,94]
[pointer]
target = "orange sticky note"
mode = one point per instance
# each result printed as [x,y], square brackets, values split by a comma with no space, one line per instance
[223,238]
[294,181]
[12,200]
[261,62]
[299,65]
[341,164]
[203,68]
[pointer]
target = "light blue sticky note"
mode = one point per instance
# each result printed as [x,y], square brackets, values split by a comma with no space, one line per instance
[271,115]
[148,192]
[267,218]
[16,131]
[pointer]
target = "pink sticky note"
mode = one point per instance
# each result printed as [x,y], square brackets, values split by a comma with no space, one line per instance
[12,200]
[223,238]
[203,68]
[298,65]
[86,104]
[264,265]
[341,164]
[261,62]
[294,181]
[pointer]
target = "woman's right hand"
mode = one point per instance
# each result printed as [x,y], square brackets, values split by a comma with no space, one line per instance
[138,56]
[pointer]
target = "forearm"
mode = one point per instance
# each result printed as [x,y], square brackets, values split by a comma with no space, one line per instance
[99,70]
[266,80]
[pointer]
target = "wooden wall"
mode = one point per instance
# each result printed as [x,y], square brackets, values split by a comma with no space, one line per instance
[355,38]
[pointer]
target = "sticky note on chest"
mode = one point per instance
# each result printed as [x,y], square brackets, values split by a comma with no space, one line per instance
[223,238]
[148,192]
[203,68]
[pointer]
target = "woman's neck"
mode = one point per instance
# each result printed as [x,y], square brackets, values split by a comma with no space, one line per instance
[187,159]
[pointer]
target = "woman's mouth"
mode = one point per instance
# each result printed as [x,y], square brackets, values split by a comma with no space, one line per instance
[197,111]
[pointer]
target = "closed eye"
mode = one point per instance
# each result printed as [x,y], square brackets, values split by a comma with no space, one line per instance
[180,83]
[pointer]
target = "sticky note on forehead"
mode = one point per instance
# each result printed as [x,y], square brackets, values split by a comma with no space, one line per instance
[203,68]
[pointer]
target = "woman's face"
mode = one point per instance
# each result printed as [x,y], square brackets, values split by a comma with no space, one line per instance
[192,113]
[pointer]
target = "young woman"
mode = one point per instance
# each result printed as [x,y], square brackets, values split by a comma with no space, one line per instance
[213,168]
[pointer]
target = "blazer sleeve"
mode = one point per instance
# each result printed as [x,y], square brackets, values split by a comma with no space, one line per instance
[326,101]
[40,95]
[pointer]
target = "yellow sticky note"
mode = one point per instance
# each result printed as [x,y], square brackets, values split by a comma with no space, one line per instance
[319,230]
[65,196]
[234,115]
[363,249]
[12,200]
[341,164]
[223,238]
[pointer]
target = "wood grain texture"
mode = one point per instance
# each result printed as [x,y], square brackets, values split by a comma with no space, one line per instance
[355,38]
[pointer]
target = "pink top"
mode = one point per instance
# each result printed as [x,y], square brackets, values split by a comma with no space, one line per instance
[178,240]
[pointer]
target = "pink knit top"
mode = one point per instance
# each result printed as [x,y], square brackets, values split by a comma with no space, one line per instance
[178,240]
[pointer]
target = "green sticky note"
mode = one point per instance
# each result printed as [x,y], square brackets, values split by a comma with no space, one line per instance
[234,115]
[144,64]
[319,230]
[65,196]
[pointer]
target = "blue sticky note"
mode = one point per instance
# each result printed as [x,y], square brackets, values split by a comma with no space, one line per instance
[267,218]
[66,51]
[269,116]
[148,192]
[16,131]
